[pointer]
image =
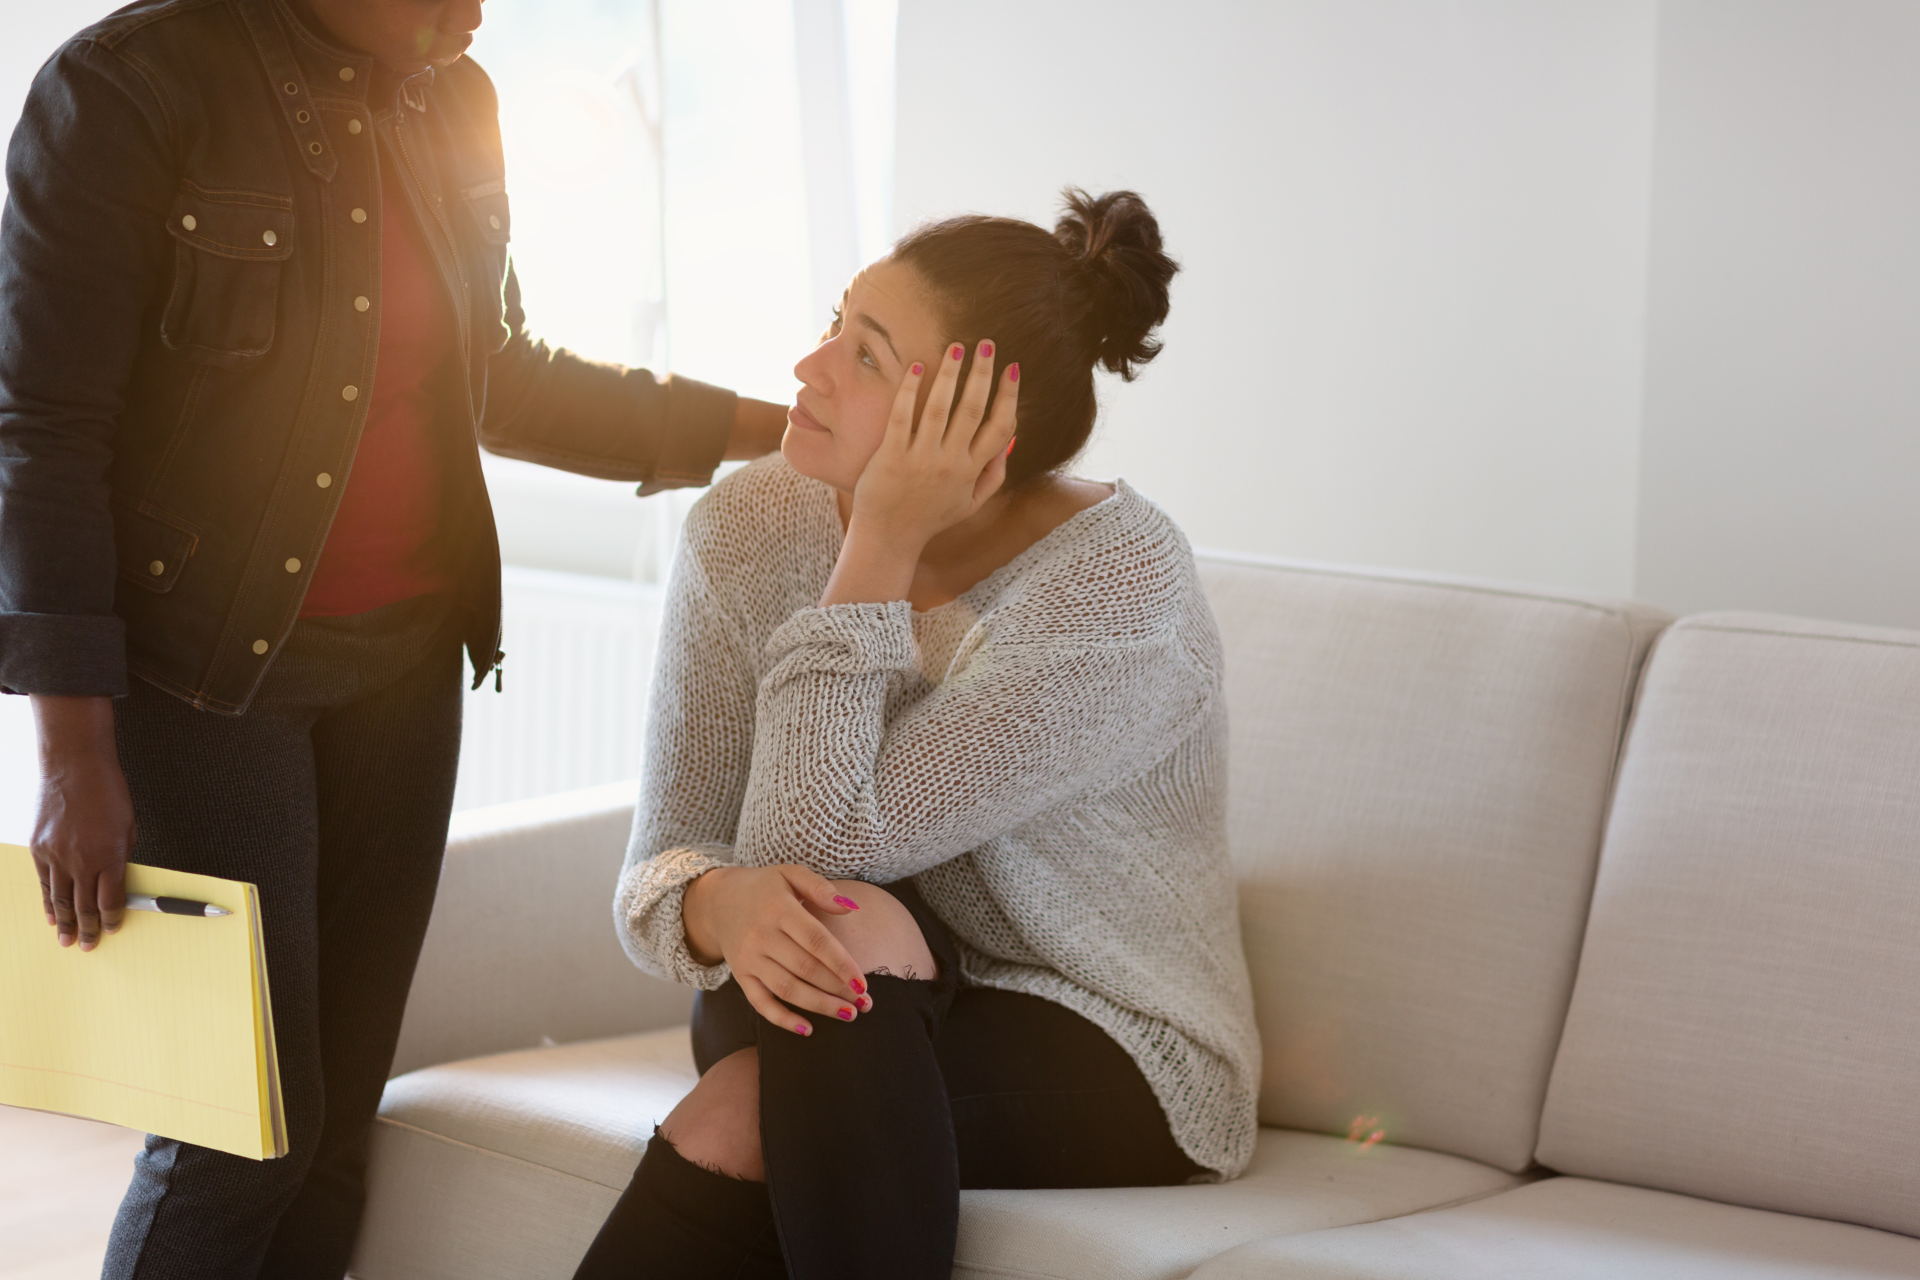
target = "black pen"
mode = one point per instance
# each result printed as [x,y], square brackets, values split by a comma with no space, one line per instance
[173,906]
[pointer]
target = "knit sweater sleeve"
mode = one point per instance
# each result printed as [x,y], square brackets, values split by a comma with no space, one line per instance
[699,741]
[1027,720]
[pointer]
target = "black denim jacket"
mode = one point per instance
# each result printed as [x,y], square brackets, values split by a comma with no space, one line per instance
[189,317]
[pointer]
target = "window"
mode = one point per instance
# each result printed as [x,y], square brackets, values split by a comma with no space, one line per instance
[692,185]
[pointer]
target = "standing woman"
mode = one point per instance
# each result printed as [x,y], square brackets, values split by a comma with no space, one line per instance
[256,308]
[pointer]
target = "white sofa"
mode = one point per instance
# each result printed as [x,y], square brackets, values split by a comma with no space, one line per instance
[1533,1004]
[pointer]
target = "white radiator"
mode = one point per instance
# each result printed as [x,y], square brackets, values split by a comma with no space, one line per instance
[573,689]
[579,658]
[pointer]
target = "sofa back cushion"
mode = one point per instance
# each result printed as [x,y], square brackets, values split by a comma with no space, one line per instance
[1419,772]
[1746,1024]
[519,949]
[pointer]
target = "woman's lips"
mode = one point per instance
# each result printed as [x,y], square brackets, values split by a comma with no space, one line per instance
[447,49]
[805,421]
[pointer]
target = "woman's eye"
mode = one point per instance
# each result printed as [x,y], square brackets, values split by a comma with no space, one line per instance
[866,358]
[834,328]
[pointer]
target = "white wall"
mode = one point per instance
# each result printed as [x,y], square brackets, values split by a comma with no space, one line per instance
[1781,468]
[1410,327]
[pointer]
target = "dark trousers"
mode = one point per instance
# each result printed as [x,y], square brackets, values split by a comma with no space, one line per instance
[331,794]
[870,1129]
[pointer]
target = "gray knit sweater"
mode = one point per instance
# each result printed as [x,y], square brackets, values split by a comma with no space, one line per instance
[1045,757]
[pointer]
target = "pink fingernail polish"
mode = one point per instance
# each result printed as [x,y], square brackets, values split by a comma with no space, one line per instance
[802,1028]
[957,351]
[844,1014]
[915,371]
[986,351]
[859,987]
[864,1003]
[842,900]
[1013,373]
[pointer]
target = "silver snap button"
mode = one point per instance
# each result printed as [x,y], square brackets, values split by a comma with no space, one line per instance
[323,480]
[358,215]
[361,303]
[349,393]
[259,646]
[270,238]
[353,126]
[189,222]
[293,565]
[346,73]
[493,222]
[157,568]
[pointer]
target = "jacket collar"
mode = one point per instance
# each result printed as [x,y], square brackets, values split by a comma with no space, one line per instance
[268,22]
[298,58]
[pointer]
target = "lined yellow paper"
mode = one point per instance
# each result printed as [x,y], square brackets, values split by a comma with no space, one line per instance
[166,1026]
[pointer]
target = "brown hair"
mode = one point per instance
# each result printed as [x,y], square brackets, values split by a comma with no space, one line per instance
[1090,293]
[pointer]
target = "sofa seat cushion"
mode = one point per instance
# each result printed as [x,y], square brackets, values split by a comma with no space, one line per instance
[1577,1229]
[1297,1182]
[506,1166]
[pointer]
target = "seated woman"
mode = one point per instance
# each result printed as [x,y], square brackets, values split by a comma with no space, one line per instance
[907,653]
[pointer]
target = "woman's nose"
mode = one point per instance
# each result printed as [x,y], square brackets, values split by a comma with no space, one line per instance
[811,368]
[462,17]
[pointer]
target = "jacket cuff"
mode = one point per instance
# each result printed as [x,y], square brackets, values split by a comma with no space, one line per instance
[699,424]
[67,655]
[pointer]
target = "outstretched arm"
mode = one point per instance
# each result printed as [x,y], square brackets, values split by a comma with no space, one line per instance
[548,405]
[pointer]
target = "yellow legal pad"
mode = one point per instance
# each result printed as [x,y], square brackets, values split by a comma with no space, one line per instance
[165,1026]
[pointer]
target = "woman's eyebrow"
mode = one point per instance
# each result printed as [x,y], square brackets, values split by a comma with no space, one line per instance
[880,329]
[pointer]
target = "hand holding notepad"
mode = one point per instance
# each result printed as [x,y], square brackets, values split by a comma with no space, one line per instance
[168,1029]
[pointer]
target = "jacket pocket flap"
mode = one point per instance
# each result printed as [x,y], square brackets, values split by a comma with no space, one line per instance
[488,201]
[233,224]
[152,546]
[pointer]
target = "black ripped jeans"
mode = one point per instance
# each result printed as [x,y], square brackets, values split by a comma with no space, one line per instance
[871,1128]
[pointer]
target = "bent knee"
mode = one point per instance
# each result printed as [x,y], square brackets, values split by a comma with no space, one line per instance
[882,936]
[717,1126]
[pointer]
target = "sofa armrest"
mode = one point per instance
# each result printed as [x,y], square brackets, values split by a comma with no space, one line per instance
[521,949]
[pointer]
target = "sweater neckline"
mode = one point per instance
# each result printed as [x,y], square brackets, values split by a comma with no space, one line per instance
[1122,496]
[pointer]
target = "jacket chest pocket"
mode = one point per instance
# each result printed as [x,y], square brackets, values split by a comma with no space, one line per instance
[227,255]
[493,228]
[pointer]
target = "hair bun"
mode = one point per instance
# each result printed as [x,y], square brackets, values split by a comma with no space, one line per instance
[1115,242]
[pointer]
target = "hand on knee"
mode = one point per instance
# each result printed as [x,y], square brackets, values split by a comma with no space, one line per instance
[717,1126]
[882,936]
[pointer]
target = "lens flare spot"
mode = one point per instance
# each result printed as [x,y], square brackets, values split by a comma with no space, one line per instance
[1366,1131]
